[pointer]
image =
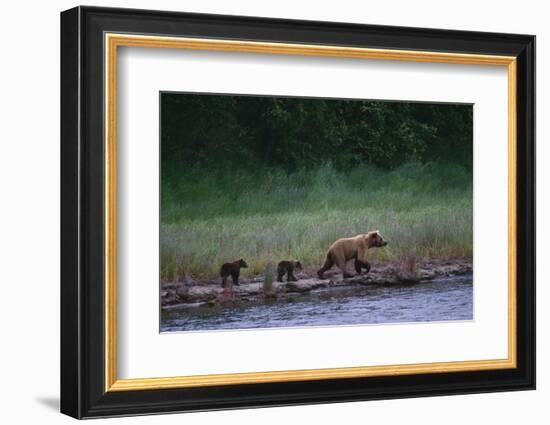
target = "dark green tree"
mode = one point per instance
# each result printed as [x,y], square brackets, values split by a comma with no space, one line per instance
[218,131]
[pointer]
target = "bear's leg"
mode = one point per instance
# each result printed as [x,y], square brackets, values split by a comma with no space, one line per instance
[290,276]
[235,277]
[359,265]
[329,262]
[366,266]
[346,274]
[341,263]
[224,281]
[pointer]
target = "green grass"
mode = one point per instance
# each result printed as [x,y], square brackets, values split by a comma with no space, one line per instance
[266,215]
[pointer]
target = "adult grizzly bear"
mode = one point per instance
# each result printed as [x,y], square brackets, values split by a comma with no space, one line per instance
[346,249]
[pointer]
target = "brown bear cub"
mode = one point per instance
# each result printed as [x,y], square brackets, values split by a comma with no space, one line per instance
[355,248]
[287,267]
[232,269]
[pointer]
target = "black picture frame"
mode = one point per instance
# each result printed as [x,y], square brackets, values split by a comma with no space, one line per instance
[83,392]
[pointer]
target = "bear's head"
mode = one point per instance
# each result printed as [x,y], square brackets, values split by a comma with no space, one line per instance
[375,239]
[242,264]
[298,265]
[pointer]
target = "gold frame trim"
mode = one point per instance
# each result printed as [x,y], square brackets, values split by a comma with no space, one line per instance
[113,41]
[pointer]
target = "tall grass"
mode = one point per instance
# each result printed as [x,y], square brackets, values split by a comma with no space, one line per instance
[266,215]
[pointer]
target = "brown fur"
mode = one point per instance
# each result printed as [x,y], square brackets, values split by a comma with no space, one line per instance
[355,248]
[232,269]
[287,267]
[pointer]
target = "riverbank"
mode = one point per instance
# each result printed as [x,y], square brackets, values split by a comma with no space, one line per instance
[190,293]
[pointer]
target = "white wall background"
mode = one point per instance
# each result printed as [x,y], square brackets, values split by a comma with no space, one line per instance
[29,216]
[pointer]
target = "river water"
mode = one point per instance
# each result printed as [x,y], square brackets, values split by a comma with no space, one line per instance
[442,299]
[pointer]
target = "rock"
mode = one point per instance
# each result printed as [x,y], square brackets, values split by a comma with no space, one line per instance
[169,285]
[407,277]
[169,298]
[319,285]
[298,287]
[427,274]
[207,293]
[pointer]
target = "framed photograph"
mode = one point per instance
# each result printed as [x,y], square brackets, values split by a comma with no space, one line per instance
[261,212]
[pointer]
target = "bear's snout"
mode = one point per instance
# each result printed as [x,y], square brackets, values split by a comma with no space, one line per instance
[381,242]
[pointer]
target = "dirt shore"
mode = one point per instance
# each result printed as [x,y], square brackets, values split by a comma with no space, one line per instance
[193,293]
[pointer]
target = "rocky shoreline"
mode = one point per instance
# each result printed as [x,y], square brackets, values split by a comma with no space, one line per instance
[190,293]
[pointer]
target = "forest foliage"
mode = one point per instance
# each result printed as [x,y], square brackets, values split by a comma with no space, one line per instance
[214,131]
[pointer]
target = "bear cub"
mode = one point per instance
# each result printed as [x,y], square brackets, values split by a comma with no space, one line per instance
[232,269]
[287,267]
